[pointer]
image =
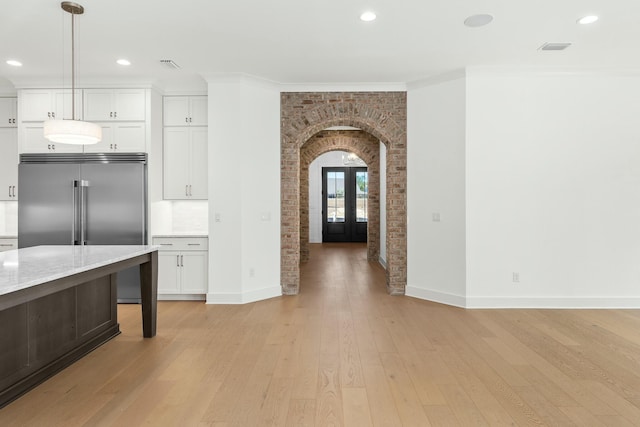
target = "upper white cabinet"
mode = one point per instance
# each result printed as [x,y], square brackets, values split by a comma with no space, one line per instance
[8,110]
[32,140]
[114,104]
[185,163]
[126,137]
[185,111]
[8,164]
[38,105]
[121,113]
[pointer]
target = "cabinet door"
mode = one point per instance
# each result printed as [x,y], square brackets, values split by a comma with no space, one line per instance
[116,105]
[8,112]
[129,104]
[35,105]
[175,165]
[40,105]
[106,144]
[194,272]
[198,180]
[8,164]
[97,104]
[169,272]
[129,138]
[175,111]
[8,244]
[32,140]
[198,111]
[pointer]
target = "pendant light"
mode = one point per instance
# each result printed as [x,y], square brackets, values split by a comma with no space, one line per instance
[72,131]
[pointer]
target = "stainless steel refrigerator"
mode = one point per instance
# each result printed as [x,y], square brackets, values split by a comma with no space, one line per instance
[85,199]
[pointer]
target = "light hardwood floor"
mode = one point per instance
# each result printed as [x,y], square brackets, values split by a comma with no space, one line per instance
[345,353]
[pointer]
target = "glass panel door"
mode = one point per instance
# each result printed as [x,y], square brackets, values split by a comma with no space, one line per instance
[345,204]
[335,197]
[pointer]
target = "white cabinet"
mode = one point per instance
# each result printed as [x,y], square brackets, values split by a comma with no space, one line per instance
[114,104]
[8,110]
[182,267]
[8,244]
[9,164]
[32,140]
[38,105]
[185,111]
[185,163]
[127,137]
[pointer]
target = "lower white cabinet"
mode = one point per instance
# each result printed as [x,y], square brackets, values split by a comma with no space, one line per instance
[182,267]
[8,244]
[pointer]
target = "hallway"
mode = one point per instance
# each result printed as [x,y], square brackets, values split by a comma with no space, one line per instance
[343,352]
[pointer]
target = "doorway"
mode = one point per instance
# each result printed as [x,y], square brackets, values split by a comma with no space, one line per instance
[345,204]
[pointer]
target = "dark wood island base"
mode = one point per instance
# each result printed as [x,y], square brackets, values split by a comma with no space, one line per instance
[47,327]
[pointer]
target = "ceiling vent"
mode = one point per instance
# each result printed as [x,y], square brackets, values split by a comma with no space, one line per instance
[555,46]
[168,63]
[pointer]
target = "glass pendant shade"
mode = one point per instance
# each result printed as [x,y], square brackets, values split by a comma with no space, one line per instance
[74,132]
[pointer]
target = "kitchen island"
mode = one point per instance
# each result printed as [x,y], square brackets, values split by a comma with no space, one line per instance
[57,303]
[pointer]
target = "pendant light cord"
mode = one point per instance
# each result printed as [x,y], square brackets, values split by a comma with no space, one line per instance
[73,67]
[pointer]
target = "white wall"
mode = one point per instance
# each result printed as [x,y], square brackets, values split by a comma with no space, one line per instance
[244,190]
[553,179]
[436,259]
[330,159]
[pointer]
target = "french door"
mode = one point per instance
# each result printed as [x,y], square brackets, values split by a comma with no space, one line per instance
[345,203]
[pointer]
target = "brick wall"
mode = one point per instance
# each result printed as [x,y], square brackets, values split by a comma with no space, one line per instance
[380,114]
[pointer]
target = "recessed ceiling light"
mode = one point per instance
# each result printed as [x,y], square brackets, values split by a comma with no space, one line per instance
[123,62]
[478,20]
[14,63]
[590,19]
[554,46]
[368,16]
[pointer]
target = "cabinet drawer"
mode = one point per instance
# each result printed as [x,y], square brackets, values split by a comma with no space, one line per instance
[182,243]
[8,244]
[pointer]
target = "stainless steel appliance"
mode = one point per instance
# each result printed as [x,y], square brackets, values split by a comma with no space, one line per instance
[85,199]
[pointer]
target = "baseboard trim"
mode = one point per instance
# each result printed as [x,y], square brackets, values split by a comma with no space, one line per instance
[244,298]
[436,296]
[181,297]
[555,302]
[383,262]
[577,303]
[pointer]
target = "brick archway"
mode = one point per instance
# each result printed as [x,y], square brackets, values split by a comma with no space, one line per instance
[366,147]
[381,114]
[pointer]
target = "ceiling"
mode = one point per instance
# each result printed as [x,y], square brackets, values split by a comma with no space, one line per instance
[305,41]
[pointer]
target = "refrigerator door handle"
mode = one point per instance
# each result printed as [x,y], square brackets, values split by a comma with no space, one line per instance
[75,225]
[83,184]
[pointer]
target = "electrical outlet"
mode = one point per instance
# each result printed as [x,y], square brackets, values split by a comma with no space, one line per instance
[435,217]
[252,272]
[515,278]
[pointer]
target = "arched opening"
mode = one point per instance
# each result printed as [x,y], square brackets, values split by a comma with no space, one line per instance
[367,148]
[382,115]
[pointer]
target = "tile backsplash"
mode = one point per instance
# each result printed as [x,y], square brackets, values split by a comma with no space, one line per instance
[191,217]
[179,217]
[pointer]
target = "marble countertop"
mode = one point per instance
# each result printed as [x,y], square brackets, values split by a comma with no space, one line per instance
[23,268]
